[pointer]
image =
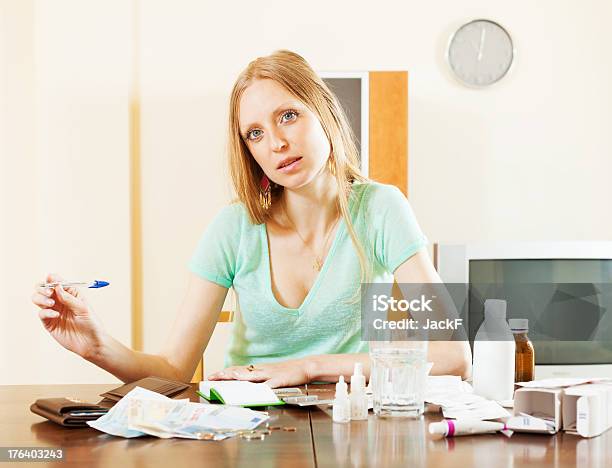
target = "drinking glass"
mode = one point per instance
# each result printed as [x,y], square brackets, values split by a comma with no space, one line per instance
[398,374]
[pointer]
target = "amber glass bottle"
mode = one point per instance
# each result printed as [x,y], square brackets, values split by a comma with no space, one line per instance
[524,362]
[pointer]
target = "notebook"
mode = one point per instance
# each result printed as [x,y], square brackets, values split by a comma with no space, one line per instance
[238,393]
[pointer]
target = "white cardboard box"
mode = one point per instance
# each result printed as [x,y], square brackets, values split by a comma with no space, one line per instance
[587,409]
[542,403]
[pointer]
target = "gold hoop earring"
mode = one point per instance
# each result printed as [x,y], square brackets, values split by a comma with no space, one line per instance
[265,195]
[331,166]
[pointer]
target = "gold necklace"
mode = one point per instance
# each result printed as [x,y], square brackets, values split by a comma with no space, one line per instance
[317,264]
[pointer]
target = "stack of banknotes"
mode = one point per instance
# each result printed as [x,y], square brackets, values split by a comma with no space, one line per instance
[143,412]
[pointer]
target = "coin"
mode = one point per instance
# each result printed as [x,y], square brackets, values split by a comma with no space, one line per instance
[252,436]
[274,428]
[289,428]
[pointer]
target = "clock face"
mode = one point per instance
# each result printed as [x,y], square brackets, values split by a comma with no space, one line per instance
[480,53]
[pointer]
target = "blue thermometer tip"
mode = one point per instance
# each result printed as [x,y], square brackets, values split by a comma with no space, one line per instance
[99,284]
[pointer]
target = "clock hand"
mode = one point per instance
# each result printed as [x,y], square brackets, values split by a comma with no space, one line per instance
[482,38]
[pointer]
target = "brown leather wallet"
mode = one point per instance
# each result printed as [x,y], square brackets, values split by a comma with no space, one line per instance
[166,387]
[68,412]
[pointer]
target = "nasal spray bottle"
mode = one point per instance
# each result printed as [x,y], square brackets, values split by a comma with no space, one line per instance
[359,399]
[342,405]
[493,371]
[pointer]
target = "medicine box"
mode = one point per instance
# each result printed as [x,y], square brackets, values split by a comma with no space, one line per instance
[587,409]
[544,403]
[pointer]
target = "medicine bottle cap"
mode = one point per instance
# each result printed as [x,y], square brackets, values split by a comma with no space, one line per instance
[358,379]
[495,309]
[519,324]
[341,388]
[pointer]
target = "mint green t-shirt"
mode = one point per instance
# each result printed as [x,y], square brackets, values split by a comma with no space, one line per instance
[233,252]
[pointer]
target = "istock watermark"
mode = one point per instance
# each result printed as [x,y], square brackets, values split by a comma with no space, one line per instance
[383,303]
[573,320]
[412,311]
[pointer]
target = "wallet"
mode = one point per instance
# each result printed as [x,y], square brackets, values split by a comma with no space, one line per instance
[68,412]
[166,387]
[71,412]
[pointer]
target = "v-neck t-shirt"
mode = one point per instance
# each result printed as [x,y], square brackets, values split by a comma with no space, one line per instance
[233,252]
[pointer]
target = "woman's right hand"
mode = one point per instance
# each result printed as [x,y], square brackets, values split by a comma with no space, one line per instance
[68,318]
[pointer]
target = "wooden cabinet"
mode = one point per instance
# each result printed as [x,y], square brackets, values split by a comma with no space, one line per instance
[376,104]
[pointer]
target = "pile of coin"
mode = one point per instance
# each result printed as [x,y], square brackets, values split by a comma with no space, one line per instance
[260,434]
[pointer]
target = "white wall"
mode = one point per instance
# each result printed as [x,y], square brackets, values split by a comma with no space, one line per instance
[525,159]
[65,205]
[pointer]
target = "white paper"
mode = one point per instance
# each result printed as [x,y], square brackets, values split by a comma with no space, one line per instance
[563,382]
[449,391]
[480,410]
[461,400]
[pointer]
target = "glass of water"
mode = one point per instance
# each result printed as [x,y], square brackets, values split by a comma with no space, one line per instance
[398,374]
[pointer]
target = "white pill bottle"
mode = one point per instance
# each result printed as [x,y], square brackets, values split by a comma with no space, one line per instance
[494,349]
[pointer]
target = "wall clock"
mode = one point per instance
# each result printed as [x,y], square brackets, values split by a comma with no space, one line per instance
[480,53]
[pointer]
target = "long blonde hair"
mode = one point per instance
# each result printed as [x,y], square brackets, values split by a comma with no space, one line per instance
[292,72]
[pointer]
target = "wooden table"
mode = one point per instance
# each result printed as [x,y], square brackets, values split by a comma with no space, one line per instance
[317,441]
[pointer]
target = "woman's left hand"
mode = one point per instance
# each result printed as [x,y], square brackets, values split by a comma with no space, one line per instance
[280,374]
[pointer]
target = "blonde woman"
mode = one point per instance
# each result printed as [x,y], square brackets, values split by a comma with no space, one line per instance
[306,230]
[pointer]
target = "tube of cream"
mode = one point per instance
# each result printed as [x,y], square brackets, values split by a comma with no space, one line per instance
[453,428]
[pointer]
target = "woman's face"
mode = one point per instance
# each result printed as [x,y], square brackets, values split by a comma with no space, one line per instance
[278,129]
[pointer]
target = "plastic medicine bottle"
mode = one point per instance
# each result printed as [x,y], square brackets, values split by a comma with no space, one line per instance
[358,397]
[524,368]
[341,412]
[494,349]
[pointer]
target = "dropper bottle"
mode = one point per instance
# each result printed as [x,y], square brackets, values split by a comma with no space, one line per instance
[359,399]
[341,412]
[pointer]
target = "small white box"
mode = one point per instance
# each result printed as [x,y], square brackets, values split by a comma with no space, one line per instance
[542,403]
[587,409]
